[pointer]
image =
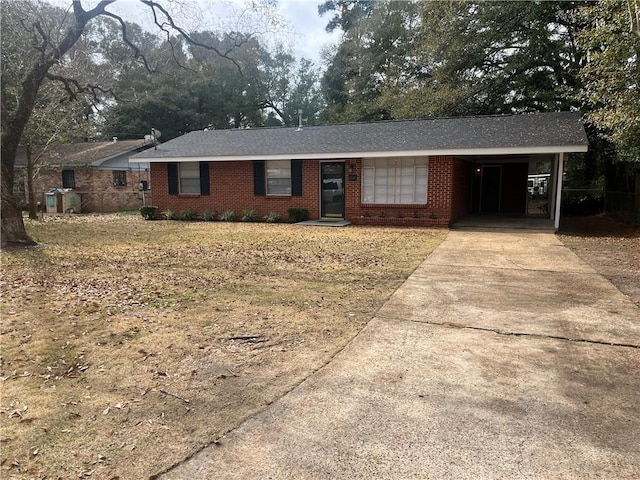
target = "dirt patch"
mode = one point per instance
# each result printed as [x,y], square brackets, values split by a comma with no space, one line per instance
[128,345]
[611,247]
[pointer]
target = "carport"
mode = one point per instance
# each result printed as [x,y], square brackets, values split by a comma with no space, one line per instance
[520,190]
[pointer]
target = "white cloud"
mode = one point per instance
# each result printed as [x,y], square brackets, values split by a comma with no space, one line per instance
[309,36]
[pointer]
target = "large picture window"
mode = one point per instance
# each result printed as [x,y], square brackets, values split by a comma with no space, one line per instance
[189,177]
[278,174]
[395,180]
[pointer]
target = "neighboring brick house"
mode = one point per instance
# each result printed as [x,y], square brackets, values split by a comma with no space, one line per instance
[98,171]
[416,172]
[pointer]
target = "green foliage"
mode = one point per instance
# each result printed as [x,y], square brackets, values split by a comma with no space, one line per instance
[248,216]
[298,214]
[272,217]
[208,216]
[374,56]
[228,216]
[148,212]
[425,59]
[260,88]
[611,91]
[188,214]
[169,215]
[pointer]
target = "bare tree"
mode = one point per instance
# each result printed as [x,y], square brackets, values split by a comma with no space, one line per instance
[41,57]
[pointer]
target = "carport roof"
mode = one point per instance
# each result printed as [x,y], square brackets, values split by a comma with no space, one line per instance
[480,135]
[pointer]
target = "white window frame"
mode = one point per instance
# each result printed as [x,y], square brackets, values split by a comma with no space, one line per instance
[277,177]
[189,178]
[395,181]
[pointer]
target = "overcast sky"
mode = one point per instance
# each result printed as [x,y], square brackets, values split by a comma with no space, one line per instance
[310,35]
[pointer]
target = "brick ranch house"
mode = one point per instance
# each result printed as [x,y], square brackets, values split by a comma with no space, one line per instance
[98,171]
[416,172]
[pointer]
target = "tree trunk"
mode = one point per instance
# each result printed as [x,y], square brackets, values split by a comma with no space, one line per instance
[31,195]
[12,231]
[14,123]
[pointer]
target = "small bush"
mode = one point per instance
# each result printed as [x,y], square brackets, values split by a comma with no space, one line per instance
[188,214]
[148,212]
[208,216]
[169,215]
[298,214]
[272,217]
[248,216]
[228,216]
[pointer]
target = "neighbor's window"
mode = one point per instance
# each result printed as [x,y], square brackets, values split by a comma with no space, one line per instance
[395,180]
[120,178]
[68,179]
[278,177]
[190,177]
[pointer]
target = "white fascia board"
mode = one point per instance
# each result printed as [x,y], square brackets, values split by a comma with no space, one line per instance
[344,155]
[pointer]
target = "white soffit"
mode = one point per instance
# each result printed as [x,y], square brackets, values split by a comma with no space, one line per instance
[344,155]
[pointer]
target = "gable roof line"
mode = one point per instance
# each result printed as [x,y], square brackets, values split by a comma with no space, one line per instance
[134,148]
[455,135]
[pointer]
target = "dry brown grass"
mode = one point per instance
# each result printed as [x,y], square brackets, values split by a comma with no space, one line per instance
[118,357]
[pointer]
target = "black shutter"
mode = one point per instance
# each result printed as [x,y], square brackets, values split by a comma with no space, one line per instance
[205,189]
[296,178]
[172,175]
[258,177]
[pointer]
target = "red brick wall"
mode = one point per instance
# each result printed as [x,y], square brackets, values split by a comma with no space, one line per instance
[232,189]
[96,189]
[436,211]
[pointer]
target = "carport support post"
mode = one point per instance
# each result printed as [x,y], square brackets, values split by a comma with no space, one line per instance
[559,175]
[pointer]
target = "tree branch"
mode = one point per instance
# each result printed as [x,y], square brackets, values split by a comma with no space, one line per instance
[184,34]
[634,16]
[67,83]
[125,39]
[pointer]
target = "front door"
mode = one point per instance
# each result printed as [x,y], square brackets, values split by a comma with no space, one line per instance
[490,188]
[332,190]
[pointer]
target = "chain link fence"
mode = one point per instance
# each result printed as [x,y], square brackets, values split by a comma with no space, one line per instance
[622,205]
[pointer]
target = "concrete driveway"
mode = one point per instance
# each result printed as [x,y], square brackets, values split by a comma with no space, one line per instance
[502,356]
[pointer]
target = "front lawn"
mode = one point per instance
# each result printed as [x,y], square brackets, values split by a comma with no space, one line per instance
[128,345]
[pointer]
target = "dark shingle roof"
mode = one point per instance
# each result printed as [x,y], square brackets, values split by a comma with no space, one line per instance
[81,154]
[441,134]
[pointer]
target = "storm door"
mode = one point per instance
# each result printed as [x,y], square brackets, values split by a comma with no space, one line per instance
[332,190]
[490,188]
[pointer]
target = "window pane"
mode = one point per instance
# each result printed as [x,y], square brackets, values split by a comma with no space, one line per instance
[120,178]
[190,177]
[68,179]
[395,180]
[278,177]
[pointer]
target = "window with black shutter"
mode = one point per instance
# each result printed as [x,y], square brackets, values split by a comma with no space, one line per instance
[258,177]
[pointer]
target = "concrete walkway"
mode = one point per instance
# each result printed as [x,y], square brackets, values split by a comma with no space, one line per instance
[503,356]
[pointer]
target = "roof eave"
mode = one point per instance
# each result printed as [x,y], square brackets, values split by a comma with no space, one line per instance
[131,150]
[552,149]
